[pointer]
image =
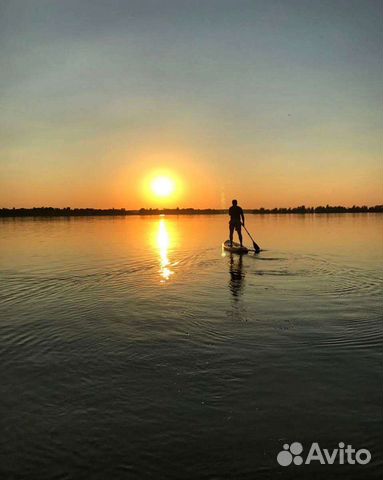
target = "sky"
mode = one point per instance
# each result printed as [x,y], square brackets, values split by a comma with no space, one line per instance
[274,102]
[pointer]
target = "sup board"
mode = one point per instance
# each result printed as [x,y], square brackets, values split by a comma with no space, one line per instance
[234,247]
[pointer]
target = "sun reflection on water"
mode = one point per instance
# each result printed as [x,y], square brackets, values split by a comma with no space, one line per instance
[163,243]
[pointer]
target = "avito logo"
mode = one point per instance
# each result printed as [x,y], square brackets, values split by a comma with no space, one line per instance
[294,454]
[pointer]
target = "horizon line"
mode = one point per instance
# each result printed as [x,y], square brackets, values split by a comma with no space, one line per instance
[70,211]
[67,207]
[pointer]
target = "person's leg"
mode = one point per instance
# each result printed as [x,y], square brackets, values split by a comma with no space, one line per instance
[231,230]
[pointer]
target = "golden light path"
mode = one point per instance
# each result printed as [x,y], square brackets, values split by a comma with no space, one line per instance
[163,243]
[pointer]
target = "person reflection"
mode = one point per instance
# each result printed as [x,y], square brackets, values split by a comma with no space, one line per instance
[236,275]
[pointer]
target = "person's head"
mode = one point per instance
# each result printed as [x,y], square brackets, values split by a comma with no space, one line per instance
[234,202]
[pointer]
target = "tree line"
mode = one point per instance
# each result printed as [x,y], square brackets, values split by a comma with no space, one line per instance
[77,212]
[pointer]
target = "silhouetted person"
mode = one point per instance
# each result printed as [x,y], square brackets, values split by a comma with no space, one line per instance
[237,219]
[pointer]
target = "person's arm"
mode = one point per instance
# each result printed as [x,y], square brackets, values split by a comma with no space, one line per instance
[243,217]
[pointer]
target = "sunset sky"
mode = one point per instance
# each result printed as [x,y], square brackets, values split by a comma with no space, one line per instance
[274,102]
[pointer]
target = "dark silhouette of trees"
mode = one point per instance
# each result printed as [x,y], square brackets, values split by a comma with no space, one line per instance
[320,209]
[80,212]
[62,212]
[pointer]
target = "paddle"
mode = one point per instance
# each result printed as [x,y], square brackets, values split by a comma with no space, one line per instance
[257,248]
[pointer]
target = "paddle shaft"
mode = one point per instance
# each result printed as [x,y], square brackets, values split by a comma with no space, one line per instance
[256,247]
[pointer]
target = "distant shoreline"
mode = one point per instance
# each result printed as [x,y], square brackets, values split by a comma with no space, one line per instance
[89,212]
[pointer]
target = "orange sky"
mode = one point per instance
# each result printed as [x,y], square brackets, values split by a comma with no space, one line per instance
[201,181]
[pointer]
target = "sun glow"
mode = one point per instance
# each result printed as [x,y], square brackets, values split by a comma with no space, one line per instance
[162,186]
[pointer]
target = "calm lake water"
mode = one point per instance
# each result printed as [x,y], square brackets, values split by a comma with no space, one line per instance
[133,348]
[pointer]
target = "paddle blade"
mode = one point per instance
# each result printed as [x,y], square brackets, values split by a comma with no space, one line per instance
[257,248]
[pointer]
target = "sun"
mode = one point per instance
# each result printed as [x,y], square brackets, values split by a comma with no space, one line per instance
[162,186]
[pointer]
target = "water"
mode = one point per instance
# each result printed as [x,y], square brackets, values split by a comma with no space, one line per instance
[133,348]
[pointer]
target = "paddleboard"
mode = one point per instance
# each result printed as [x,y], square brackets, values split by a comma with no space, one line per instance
[234,247]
